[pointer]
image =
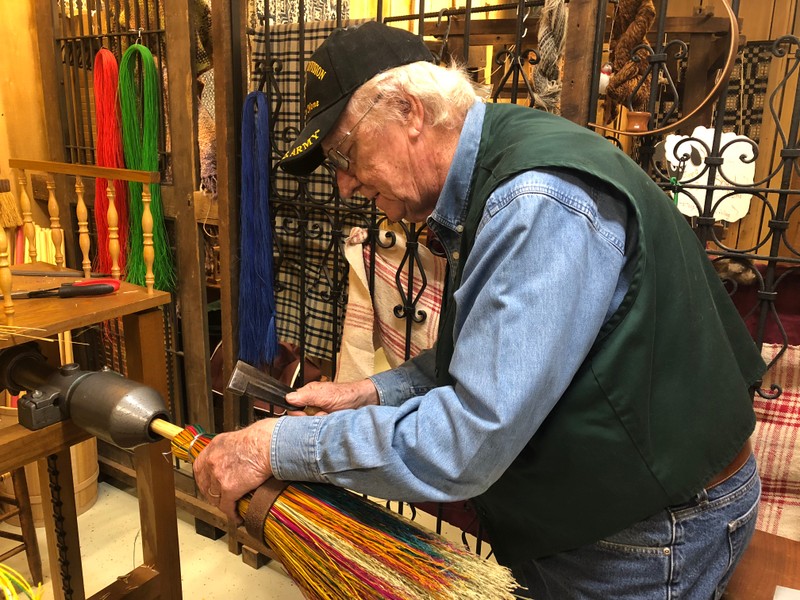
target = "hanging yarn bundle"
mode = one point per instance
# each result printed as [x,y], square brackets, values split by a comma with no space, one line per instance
[258,337]
[552,33]
[139,103]
[339,546]
[109,154]
[633,20]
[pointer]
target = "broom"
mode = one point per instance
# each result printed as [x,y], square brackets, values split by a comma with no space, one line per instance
[338,546]
[9,209]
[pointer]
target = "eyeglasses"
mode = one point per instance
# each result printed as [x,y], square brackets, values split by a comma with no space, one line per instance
[335,157]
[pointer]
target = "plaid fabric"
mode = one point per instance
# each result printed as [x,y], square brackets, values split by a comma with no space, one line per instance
[372,320]
[311,272]
[777,445]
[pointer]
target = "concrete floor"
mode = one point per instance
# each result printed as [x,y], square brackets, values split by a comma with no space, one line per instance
[111,546]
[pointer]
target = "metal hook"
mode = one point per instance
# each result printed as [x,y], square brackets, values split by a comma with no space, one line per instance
[139,37]
[446,36]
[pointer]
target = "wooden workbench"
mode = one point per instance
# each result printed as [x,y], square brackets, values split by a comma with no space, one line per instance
[159,575]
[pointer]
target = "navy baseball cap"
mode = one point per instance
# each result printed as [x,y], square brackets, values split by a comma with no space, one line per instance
[346,60]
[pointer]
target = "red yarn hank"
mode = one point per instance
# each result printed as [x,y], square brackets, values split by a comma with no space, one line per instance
[108,154]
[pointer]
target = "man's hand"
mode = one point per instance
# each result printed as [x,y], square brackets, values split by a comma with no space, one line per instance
[234,464]
[327,397]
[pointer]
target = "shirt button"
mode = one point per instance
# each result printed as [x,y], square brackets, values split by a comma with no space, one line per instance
[460,228]
[456,255]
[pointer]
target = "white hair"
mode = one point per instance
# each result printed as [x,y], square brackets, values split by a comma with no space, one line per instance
[446,93]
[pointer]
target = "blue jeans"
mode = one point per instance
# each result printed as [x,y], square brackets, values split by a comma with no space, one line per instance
[685,552]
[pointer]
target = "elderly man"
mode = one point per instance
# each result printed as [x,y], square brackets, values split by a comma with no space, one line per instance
[590,390]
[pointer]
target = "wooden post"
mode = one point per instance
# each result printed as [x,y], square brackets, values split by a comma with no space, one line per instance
[113,228]
[83,227]
[579,60]
[27,219]
[147,234]
[5,278]
[64,550]
[56,233]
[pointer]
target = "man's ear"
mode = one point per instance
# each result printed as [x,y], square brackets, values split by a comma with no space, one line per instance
[416,116]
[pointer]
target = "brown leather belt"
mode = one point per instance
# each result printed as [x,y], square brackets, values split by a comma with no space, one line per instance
[736,464]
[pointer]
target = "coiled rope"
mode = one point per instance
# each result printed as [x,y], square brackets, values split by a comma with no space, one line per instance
[140,118]
[258,338]
[546,77]
[633,20]
[108,154]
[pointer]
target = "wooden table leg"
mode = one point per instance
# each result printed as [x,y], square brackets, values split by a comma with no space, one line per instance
[155,488]
[26,525]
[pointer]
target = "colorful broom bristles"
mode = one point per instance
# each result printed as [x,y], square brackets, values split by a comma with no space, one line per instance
[12,583]
[339,546]
[139,104]
[258,336]
[108,154]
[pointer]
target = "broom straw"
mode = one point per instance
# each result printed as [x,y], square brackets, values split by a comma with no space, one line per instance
[138,96]
[109,154]
[338,546]
[9,209]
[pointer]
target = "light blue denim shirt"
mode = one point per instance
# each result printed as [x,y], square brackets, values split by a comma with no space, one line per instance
[546,271]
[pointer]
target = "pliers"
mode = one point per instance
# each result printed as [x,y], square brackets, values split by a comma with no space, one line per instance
[87,287]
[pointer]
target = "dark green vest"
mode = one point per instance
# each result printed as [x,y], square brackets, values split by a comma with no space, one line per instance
[661,403]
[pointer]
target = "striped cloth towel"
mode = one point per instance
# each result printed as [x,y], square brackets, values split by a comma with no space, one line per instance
[777,445]
[370,321]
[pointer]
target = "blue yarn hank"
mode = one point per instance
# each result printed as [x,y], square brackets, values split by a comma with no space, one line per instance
[258,337]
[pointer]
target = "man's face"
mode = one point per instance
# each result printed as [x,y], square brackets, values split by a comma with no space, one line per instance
[384,165]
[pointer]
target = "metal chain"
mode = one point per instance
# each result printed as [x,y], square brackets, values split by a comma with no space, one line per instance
[60,533]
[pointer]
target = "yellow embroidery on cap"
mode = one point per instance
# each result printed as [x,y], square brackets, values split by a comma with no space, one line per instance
[311,106]
[314,68]
[300,148]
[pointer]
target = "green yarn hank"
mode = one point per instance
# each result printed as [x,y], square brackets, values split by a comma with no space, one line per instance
[138,95]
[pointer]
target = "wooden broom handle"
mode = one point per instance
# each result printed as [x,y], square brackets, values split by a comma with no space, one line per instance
[165,429]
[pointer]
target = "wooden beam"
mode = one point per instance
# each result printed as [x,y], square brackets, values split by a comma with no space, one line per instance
[579,61]
[179,24]
[227,20]
[48,166]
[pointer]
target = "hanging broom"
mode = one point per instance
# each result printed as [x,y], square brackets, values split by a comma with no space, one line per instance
[258,338]
[108,154]
[10,217]
[338,546]
[139,105]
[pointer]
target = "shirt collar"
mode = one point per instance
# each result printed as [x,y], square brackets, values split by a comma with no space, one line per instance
[452,203]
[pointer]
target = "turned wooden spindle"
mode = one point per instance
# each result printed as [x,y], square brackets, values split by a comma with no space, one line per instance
[27,218]
[113,229]
[83,227]
[56,233]
[147,231]
[5,278]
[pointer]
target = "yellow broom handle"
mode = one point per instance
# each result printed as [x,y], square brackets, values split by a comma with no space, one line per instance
[165,429]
